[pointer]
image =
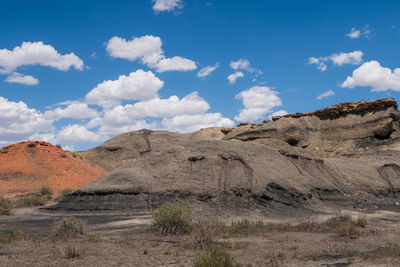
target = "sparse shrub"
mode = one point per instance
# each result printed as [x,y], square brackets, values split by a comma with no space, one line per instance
[361,221]
[145,252]
[30,201]
[245,226]
[63,155]
[215,257]
[71,252]
[10,235]
[172,219]
[69,227]
[239,226]
[74,155]
[348,230]
[205,232]
[6,206]
[46,191]
[66,191]
[279,226]
[59,146]
[31,145]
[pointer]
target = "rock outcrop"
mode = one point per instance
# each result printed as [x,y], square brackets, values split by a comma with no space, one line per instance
[27,166]
[344,155]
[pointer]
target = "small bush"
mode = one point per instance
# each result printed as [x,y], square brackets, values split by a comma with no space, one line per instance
[30,201]
[145,252]
[66,191]
[46,191]
[31,145]
[361,221]
[10,235]
[59,146]
[172,219]
[215,257]
[69,227]
[207,231]
[239,226]
[71,252]
[6,206]
[348,230]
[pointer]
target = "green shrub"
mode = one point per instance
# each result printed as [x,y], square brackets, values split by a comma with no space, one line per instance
[69,227]
[245,226]
[30,201]
[348,230]
[46,191]
[71,252]
[10,235]
[215,257]
[66,191]
[205,232]
[172,219]
[6,206]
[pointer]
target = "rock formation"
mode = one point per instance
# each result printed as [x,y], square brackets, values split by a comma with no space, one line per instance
[343,155]
[27,166]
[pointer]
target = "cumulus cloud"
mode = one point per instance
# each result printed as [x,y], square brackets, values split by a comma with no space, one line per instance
[190,123]
[244,64]
[232,77]
[372,74]
[76,133]
[354,33]
[138,85]
[22,79]
[148,49]
[207,70]
[128,114]
[258,101]
[74,111]
[354,58]
[166,5]
[18,122]
[326,94]
[37,53]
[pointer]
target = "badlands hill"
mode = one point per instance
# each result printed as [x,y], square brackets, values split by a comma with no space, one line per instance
[27,166]
[347,155]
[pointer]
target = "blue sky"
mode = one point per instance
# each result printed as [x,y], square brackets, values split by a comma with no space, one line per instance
[79,72]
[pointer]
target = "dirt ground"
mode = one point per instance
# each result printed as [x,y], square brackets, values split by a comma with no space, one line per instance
[129,240]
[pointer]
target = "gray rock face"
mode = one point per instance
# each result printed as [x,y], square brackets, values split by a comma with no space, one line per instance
[344,155]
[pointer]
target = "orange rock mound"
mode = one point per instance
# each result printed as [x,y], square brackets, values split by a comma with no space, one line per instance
[26,167]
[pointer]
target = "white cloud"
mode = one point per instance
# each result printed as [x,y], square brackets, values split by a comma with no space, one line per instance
[174,64]
[232,77]
[148,49]
[340,59]
[74,111]
[167,5]
[76,133]
[23,79]
[128,114]
[354,58]
[18,122]
[37,53]
[372,74]
[258,101]
[207,70]
[190,123]
[138,85]
[326,94]
[354,33]
[244,64]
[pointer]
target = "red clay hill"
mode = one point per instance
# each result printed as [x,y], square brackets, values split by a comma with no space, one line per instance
[26,167]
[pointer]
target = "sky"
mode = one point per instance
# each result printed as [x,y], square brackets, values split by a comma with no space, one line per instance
[77,73]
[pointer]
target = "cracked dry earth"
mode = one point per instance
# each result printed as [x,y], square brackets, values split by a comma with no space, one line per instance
[128,240]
